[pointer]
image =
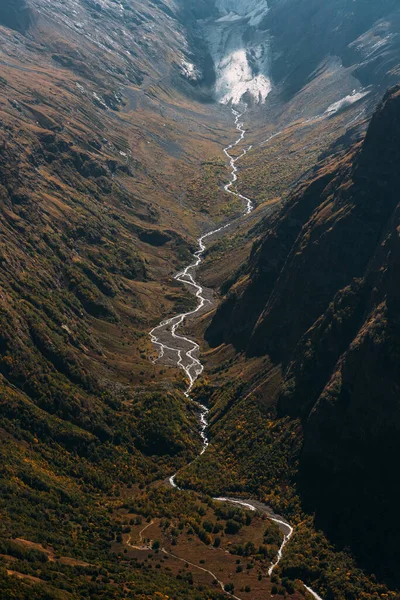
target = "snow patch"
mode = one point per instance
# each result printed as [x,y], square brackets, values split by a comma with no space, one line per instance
[231,18]
[363,44]
[253,11]
[190,71]
[345,102]
[236,79]
[99,100]
[240,51]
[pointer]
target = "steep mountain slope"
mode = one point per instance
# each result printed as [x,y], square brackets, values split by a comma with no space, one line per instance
[16,15]
[329,64]
[90,220]
[320,297]
[320,50]
[362,36]
[321,69]
[97,117]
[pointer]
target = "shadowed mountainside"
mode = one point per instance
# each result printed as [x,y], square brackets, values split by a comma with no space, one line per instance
[320,296]
[16,15]
[363,35]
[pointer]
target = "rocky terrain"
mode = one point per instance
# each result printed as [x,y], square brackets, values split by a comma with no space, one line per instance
[97,117]
[319,298]
[324,53]
[315,89]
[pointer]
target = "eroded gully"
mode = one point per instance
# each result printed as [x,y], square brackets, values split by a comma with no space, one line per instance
[183,352]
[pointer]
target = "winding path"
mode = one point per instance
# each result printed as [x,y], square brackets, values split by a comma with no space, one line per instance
[143,546]
[183,352]
[148,547]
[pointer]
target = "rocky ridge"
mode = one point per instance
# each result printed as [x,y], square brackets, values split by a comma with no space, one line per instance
[319,297]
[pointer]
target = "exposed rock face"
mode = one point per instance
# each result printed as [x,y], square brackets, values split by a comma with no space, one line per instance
[330,51]
[363,36]
[16,15]
[257,46]
[346,368]
[323,299]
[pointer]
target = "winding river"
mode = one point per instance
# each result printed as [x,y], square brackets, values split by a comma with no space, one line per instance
[183,352]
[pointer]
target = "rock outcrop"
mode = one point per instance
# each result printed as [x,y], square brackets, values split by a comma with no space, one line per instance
[321,297]
[361,36]
[15,14]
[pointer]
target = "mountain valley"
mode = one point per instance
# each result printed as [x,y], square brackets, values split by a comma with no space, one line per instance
[113,174]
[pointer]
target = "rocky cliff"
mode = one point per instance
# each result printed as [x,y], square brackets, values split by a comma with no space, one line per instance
[320,297]
[357,38]
[16,15]
[329,50]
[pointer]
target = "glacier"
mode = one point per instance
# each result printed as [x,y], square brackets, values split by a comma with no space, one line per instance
[240,51]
